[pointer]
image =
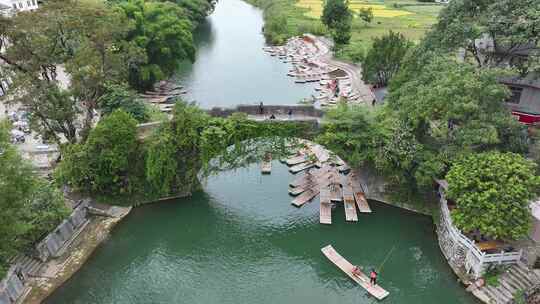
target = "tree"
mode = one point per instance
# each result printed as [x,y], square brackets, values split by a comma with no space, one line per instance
[30,206]
[118,96]
[84,39]
[107,163]
[366,14]
[174,157]
[454,109]
[337,17]
[384,58]
[492,192]
[342,32]
[163,30]
[508,29]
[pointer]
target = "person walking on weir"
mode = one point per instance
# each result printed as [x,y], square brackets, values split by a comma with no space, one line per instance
[261,108]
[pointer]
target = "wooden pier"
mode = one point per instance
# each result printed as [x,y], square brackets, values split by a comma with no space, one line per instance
[325,209]
[348,200]
[362,279]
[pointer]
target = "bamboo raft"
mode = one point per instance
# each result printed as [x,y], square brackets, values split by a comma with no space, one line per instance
[301,167]
[325,208]
[301,189]
[296,160]
[359,195]
[308,176]
[348,200]
[266,167]
[305,197]
[363,280]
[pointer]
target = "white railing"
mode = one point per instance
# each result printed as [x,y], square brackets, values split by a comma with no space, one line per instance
[476,259]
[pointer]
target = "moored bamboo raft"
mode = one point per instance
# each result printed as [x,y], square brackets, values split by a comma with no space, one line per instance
[362,279]
[359,195]
[325,208]
[305,197]
[301,167]
[296,160]
[348,200]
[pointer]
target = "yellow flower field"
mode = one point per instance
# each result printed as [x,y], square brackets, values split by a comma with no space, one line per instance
[316,7]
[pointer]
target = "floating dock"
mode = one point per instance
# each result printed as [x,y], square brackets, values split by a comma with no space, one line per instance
[325,209]
[362,279]
[348,200]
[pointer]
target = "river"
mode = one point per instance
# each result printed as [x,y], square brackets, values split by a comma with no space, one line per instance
[241,241]
[231,68]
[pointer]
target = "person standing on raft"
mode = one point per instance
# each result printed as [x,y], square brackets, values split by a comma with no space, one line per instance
[357,271]
[373,277]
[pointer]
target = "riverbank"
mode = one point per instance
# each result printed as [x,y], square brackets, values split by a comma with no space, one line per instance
[289,18]
[59,270]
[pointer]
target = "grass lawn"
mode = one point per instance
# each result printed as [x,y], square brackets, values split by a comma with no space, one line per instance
[409,17]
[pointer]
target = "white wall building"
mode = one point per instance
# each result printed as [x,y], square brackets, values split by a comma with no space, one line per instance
[9,7]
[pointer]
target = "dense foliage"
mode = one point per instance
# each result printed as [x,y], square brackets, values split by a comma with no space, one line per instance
[384,58]
[119,96]
[191,145]
[62,58]
[84,39]
[106,163]
[351,133]
[452,109]
[493,191]
[510,27]
[30,206]
[163,31]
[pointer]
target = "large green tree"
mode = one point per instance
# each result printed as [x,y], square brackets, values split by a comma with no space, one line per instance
[384,58]
[337,17]
[507,28]
[492,192]
[107,163]
[452,109]
[59,57]
[163,30]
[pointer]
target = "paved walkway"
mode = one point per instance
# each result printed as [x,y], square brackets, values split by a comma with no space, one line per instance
[284,117]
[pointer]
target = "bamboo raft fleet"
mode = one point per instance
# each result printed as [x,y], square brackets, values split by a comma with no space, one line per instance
[308,56]
[329,177]
[362,279]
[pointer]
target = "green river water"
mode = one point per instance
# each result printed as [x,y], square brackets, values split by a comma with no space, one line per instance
[231,68]
[241,241]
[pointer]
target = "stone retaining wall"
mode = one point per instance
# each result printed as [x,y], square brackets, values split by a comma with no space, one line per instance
[11,287]
[53,243]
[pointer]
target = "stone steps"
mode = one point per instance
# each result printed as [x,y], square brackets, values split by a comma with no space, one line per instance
[514,280]
[29,265]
